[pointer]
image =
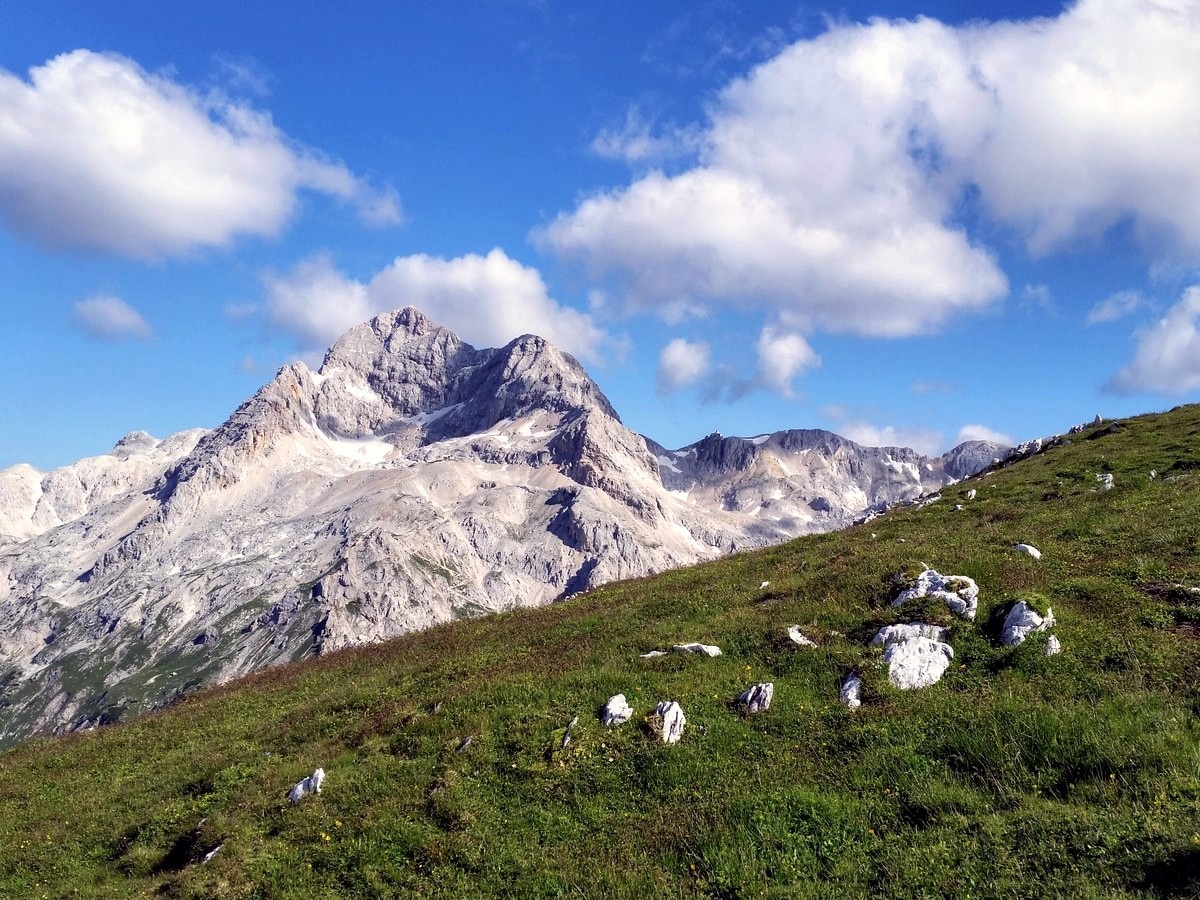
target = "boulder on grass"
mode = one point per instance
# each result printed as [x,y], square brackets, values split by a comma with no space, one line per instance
[756,698]
[306,786]
[617,711]
[958,592]
[667,721]
[916,654]
[1023,620]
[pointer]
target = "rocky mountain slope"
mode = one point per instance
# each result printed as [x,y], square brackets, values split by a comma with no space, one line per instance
[475,759]
[412,480]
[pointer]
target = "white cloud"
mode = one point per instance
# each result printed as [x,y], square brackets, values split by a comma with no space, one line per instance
[111,319]
[97,154]
[924,387]
[634,141]
[829,179]
[1116,306]
[923,440]
[782,356]
[1167,357]
[983,433]
[486,300]
[681,363]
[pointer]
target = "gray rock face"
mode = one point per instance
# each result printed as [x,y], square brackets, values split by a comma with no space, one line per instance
[412,480]
[799,481]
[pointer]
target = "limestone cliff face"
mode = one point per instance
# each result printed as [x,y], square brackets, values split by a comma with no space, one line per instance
[412,480]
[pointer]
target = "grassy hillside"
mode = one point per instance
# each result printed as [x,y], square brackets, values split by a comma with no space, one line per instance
[1018,775]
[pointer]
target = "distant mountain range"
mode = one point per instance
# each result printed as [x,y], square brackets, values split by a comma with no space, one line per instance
[412,480]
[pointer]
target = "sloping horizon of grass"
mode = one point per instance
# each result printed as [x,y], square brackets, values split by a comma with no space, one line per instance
[1017,775]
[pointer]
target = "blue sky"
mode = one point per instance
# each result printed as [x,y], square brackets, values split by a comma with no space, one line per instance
[909,223]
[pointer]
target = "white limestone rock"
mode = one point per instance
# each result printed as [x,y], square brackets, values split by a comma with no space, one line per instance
[617,711]
[851,691]
[667,721]
[958,592]
[756,698]
[706,649]
[1106,481]
[1023,621]
[971,494]
[1053,647]
[891,634]
[1029,550]
[306,786]
[916,654]
[653,653]
[796,636]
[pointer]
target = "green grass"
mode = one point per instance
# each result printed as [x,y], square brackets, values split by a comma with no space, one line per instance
[1018,775]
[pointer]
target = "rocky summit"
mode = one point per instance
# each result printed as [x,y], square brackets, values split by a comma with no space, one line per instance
[412,480]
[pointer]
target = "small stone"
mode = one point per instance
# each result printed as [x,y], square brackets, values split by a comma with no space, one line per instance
[1029,550]
[958,507]
[796,636]
[971,494]
[567,734]
[668,720]
[617,711]
[1106,481]
[851,691]
[756,698]
[306,786]
[1053,646]
[706,649]
[764,585]
[211,853]
[464,744]
[654,653]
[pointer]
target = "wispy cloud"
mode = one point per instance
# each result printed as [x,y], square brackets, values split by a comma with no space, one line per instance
[109,318]
[1116,306]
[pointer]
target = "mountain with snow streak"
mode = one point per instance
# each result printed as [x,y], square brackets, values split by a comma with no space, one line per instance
[412,480]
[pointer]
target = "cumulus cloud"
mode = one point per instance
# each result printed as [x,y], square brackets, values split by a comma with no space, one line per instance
[1116,306]
[110,318]
[830,181]
[783,355]
[1166,359]
[680,364]
[983,433]
[486,300]
[98,154]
